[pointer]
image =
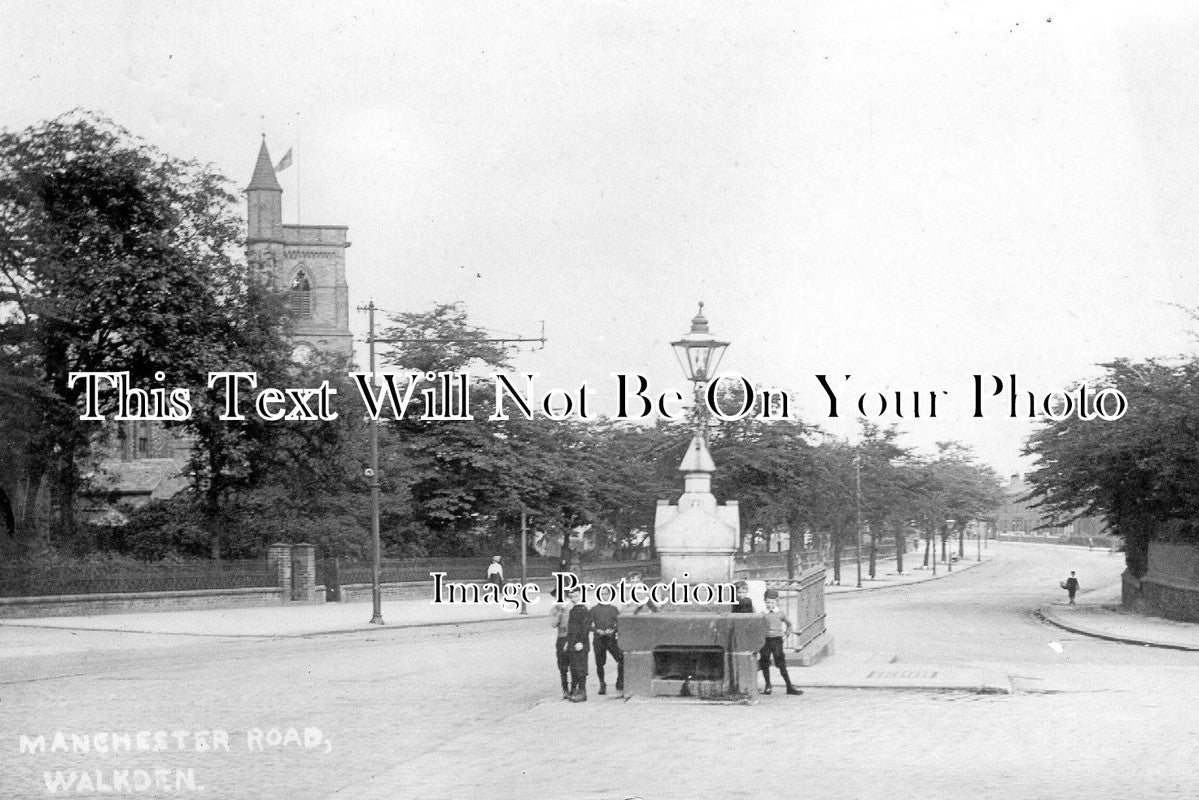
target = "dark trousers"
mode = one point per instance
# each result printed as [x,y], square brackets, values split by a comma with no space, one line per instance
[603,646]
[578,668]
[563,662]
[773,647]
[1071,593]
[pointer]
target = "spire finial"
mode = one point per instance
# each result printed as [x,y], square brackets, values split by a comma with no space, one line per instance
[264,171]
[699,323]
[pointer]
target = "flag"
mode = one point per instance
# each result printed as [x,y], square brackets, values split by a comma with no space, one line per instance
[284,162]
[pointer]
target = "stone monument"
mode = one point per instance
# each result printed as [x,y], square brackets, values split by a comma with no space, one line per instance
[689,650]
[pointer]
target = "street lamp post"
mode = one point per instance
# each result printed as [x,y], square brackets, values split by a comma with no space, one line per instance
[857,465]
[524,558]
[699,354]
[373,475]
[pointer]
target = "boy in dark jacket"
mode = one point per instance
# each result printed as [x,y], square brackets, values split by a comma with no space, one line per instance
[1071,586]
[578,635]
[604,616]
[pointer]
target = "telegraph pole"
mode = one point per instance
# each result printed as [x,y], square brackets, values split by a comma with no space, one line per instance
[372,473]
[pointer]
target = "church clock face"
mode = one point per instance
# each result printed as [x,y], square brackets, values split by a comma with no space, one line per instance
[302,352]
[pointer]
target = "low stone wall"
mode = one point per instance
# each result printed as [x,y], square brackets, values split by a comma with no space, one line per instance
[1171,586]
[117,603]
[293,567]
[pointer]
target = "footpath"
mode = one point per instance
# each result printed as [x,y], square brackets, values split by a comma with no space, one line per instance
[304,620]
[49,636]
[883,580]
[1100,615]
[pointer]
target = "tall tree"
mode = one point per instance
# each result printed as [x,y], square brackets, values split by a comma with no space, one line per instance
[1140,472]
[114,257]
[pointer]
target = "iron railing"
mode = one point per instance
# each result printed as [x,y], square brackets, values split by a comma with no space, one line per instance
[802,601]
[34,580]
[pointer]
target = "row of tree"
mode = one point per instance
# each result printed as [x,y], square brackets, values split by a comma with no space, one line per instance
[117,257]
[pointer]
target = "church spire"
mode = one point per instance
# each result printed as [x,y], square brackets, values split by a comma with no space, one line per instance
[264,173]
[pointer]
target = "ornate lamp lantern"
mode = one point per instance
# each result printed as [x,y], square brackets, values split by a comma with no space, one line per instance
[699,352]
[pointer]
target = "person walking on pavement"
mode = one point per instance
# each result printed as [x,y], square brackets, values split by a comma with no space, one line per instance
[578,634]
[604,616]
[495,572]
[559,616]
[1071,586]
[776,625]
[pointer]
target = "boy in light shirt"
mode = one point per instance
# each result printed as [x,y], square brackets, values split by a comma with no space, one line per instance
[777,624]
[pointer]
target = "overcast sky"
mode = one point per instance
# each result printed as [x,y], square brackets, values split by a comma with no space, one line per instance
[907,192]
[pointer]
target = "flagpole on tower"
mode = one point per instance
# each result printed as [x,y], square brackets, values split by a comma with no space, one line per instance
[298,220]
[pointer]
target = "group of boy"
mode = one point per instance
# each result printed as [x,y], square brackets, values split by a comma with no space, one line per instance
[581,628]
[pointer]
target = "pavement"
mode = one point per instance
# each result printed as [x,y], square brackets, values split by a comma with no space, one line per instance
[49,635]
[1099,614]
[463,710]
[885,578]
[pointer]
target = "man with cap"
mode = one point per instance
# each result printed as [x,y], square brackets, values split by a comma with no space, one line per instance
[604,616]
[1071,586]
[578,634]
[776,625]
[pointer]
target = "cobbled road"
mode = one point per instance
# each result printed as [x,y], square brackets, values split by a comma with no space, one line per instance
[473,710]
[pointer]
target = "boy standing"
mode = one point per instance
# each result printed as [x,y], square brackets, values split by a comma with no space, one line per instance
[604,616]
[1071,586]
[744,604]
[776,625]
[578,634]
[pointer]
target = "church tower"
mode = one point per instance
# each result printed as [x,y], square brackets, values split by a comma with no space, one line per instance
[307,260]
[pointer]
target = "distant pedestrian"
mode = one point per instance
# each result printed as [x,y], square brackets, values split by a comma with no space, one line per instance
[559,617]
[495,572]
[776,625]
[604,618]
[1071,586]
[578,635]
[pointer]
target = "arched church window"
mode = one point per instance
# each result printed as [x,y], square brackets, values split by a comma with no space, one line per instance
[301,295]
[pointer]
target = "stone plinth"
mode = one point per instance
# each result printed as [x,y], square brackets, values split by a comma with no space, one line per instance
[696,537]
[700,654]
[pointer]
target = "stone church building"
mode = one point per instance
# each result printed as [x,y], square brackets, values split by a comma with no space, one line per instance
[307,259]
[145,461]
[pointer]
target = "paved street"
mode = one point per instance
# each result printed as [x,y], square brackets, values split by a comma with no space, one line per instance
[473,709]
